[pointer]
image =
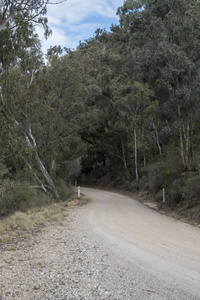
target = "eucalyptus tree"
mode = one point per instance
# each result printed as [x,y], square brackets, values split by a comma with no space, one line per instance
[14,13]
[166,37]
[61,90]
[175,65]
[135,101]
[109,68]
[20,60]
[19,92]
[17,24]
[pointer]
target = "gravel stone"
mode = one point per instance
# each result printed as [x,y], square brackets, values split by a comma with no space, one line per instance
[68,262]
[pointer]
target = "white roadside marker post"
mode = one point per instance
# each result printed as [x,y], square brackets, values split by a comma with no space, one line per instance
[79,191]
[163,195]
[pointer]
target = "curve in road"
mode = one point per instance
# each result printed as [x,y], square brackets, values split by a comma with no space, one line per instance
[160,246]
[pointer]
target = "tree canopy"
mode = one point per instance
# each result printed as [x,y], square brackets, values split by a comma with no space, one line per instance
[121,110]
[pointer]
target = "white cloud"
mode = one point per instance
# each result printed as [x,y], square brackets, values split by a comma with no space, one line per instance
[59,37]
[75,11]
[77,20]
[84,27]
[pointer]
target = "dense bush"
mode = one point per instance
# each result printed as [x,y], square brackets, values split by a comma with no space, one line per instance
[191,187]
[17,197]
[165,173]
[21,196]
[185,188]
[64,190]
[176,193]
[155,177]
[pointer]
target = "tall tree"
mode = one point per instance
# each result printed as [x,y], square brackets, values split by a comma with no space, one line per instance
[166,33]
[15,13]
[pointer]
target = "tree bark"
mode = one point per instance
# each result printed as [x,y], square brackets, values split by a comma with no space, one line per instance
[32,144]
[144,154]
[40,182]
[157,139]
[145,163]
[124,159]
[184,134]
[187,148]
[181,137]
[136,165]
[46,174]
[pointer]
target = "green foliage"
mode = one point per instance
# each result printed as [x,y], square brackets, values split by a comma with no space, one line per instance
[64,190]
[191,187]
[17,197]
[21,196]
[163,173]
[126,103]
[25,175]
[176,194]
[3,171]
[185,189]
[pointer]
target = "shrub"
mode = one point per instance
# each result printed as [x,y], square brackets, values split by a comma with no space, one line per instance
[21,196]
[64,190]
[3,171]
[159,196]
[192,187]
[25,175]
[164,173]
[16,197]
[186,187]
[155,176]
[176,193]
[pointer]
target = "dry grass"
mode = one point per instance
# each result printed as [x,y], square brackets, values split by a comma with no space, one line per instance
[35,217]
[28,220]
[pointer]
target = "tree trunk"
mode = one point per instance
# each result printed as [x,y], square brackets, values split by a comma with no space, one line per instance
[144,153]
[39,181]
[187,148]
[32,144]
[124,159]
[181,137]
[145,163]
[53,165]
[157,139]
[46,174]
[136,166]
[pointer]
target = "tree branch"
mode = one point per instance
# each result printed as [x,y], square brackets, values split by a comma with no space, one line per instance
[34,9]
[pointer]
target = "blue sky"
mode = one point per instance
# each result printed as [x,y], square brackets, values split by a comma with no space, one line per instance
[76,20]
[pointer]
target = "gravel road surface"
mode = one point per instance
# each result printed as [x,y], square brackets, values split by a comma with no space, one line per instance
[111,248]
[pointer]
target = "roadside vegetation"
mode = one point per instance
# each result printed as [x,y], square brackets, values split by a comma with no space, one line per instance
[23,208]
[122,110]
[31,219]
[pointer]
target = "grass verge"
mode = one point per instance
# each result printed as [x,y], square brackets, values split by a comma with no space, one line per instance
[38,216]
[28,220]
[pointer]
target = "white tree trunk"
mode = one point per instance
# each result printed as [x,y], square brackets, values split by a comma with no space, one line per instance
[136,165]
[39,181]
[46,174]
[181,137]
[32,144]
[157,139]
[124,156]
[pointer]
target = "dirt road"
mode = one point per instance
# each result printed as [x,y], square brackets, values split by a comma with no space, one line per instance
[113,248]
[165,251]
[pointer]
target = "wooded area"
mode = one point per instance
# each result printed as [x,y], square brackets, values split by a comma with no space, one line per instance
[121,110]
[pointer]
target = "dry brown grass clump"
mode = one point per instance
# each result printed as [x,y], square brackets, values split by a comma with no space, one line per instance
[28,220]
